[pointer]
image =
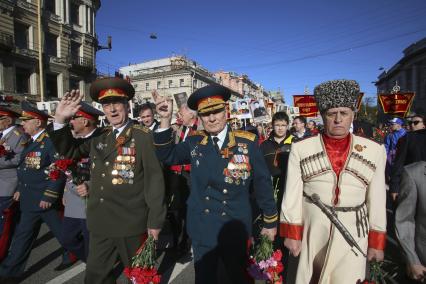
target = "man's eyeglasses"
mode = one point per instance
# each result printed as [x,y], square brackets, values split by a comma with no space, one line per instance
[415,122]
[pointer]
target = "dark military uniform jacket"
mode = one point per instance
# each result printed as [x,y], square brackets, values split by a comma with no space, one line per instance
[220,181]
[34,185]
[13,142]
[126,186]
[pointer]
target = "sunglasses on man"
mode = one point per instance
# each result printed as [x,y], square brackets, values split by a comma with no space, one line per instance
[415,122]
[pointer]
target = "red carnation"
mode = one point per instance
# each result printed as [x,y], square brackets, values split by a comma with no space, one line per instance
[63,164]
[54,175]
[277,255]
[3,151]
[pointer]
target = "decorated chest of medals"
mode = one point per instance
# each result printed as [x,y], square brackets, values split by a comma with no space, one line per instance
[124,165]
[33,160]
[238,169]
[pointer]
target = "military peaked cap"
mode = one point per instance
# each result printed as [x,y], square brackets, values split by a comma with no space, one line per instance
[8,112]
[112,87]
[209,98]
[88,112]
[29,111]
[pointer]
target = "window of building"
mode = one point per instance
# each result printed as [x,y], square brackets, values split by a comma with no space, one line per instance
[181,82]
[75,50]
[50,5]
[146,86]
[75,14]
[195,83]
[52,85]
[158,84]
[74,83]
[51,44]
[21,36]
[22,80]
[170,83]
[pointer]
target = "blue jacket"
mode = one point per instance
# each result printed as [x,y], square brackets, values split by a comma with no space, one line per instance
[33,183]
[220,182]
[391,141]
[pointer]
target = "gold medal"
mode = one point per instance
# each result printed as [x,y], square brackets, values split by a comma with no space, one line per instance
[132,159]
[114,181]
[114,172]
[120,181]
[119,158]
[127,158]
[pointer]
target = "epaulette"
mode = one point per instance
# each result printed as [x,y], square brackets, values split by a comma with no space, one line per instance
[245,134]
[304,138]
[141,127]
[41,137]
[199,133]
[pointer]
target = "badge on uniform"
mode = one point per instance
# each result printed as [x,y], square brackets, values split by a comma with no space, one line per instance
[123,170]
[238,169]
[33,160]
[101,146]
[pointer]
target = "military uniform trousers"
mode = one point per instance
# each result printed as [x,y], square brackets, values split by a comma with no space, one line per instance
[5,202]
[75,237]
[225,263]
[103,254]
[25,235]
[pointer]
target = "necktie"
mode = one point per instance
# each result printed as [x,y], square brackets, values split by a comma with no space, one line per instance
[215,141]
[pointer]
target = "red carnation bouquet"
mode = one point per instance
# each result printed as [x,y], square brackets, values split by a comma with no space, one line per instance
[143,269]
[6,153]
[60,166]
[265,263]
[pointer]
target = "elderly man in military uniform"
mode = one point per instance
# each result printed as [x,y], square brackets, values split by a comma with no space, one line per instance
[12,140]
[126,197]
[223,165]
[38,194]
[333,210]
[75,236]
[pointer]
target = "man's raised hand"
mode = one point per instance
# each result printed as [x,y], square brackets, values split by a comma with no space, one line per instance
[68,106]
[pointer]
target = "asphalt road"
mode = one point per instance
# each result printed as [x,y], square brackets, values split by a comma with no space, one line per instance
[47,253]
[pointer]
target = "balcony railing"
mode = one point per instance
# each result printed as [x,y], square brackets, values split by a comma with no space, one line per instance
[6,41]
[82,62]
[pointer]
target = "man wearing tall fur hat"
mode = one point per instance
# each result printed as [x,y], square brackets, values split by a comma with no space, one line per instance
[224,163]
[126,188]
[340,174]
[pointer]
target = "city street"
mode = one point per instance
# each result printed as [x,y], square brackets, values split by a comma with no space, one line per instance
[46,255]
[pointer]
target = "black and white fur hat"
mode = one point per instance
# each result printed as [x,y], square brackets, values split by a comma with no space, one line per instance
[336,93]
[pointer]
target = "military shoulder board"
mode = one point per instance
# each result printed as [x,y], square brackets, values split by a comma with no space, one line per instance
[245,134]
[199,133]
[140,127]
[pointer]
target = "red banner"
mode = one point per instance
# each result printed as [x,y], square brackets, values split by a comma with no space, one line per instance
[396,104]
[306,104]
[359,100]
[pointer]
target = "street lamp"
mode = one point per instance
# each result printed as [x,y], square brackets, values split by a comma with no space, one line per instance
[109,45]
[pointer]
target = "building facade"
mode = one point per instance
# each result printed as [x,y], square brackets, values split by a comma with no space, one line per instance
[69,46]
[410,74]
[177,77]
[241,84]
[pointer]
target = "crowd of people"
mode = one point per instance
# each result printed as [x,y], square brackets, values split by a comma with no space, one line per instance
[319,191]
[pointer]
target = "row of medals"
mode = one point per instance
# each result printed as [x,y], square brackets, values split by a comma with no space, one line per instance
[33,160]
[123,168]
[238,169]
